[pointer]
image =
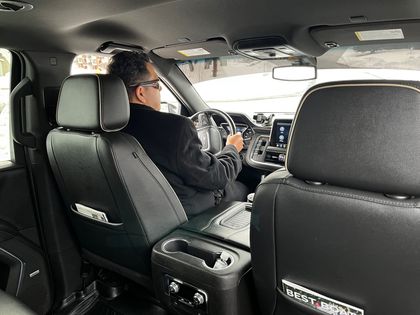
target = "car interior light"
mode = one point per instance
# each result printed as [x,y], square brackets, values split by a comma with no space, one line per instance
[267,48]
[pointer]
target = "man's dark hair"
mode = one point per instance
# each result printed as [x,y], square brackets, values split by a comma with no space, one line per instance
[130,66]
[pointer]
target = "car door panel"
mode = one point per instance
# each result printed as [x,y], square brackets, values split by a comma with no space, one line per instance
[23,267]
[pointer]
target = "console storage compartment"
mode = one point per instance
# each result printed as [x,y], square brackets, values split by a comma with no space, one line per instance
[195,274]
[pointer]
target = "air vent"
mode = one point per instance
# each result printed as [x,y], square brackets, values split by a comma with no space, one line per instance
[14,6]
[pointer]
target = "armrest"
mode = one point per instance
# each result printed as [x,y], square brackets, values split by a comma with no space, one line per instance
[228,222]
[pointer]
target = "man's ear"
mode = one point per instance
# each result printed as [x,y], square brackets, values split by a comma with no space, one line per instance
[139,94]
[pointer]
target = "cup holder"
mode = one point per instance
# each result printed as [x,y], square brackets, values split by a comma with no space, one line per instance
[176,245]
[215,260]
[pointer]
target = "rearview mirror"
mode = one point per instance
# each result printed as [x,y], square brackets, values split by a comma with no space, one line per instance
[294,73]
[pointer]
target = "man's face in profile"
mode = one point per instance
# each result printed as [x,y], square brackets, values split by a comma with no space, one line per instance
[149,95]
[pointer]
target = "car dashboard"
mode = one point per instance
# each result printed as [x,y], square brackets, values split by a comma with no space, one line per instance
[264,146]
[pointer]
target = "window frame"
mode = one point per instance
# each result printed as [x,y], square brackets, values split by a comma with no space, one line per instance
[7,161]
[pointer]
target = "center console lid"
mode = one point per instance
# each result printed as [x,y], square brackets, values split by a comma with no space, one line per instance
[228,222]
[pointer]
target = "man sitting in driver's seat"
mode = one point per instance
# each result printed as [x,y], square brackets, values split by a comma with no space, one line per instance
[200,179]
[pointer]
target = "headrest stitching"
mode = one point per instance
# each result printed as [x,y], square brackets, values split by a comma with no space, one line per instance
[351,196]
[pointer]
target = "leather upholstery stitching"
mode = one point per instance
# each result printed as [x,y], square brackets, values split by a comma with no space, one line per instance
[347,195]
[105,175]
[54,164]
[274,243]
[164,189]
[8,225]
[117,167]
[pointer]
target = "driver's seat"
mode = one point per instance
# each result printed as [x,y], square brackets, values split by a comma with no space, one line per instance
[120,204]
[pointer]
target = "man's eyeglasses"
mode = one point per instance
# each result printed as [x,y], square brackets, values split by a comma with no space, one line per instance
[152,83]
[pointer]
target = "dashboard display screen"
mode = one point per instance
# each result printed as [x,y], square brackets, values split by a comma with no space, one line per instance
[241,129]
[280,133]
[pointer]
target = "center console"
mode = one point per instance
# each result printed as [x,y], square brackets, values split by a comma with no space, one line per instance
[270,151]
[204,267]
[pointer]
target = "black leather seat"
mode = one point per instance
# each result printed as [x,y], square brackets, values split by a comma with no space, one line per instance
[120,204]
[344,220]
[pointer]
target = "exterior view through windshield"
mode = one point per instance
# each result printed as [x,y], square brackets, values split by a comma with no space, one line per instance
[243,85]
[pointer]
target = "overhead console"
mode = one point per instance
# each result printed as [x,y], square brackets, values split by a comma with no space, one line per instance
[269,152]
[266,48]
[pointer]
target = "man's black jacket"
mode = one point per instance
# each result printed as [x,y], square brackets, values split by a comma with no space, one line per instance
[171,141]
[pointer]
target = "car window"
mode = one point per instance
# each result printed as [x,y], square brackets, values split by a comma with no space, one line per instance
[97,63]
[168,102]
[5,67]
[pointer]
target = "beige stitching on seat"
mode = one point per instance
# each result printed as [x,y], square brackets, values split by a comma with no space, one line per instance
[352,196]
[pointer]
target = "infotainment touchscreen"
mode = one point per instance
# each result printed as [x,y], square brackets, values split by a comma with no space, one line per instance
[280,133]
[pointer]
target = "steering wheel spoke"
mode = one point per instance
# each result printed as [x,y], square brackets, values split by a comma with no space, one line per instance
[207,130]
[204,136]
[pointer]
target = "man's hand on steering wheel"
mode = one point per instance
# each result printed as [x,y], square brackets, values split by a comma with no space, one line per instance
[236,140]
[209,134]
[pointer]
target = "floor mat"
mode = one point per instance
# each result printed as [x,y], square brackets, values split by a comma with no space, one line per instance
[125,305]
[103,309]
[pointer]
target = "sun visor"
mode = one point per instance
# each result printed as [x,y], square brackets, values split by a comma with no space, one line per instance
[188,51]
[364,34]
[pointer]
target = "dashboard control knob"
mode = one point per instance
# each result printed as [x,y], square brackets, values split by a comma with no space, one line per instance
[173,287]
[198,299]
[282,157]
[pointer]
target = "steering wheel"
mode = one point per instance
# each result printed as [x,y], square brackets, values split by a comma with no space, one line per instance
[207,130]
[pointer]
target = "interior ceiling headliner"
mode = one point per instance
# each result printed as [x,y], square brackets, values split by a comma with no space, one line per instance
[82,25]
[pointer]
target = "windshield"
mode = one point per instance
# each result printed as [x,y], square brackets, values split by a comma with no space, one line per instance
[243,85]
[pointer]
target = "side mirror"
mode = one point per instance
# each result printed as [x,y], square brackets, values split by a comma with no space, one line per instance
[295,73]
[170,108]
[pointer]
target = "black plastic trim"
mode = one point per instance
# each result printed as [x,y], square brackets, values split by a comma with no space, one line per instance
[24,88]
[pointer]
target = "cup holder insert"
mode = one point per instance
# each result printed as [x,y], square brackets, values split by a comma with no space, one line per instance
[212,259]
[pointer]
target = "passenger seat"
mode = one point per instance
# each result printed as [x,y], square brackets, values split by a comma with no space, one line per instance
[339,231]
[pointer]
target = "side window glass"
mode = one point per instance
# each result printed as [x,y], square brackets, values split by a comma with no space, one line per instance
[97,63]
[5,141]
[168,102]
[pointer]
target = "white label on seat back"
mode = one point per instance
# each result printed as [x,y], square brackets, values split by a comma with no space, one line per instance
[91,213]
[317,301]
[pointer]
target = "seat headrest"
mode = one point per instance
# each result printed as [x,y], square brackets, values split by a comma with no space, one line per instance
[93,102]
[361,135]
